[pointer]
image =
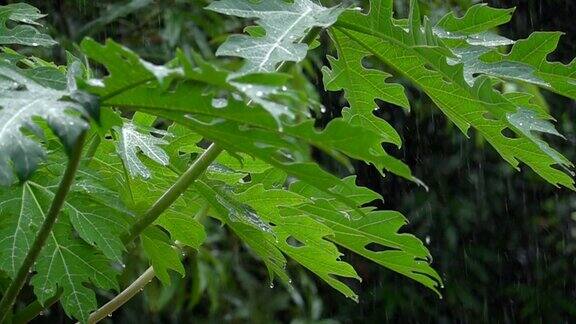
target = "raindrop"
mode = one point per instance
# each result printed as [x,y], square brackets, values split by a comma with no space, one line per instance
[110,315]
[34,44]
[284,88]
[95,82]
[259,93]
[322,109]
[427,239]
[219,102]
[271,285]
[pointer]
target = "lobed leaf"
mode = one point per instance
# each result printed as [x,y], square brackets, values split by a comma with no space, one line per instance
[285,24]
[26,34]
[131,141]
[22,101]
[65,262]
[419,55]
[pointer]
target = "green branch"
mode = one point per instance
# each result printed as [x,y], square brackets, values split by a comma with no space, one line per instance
[123,297]
[177,189]
[16,285]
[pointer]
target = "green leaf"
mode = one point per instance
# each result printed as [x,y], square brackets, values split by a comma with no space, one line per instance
[299,236]
[139,193]
[419,55]
[65,262]
[471,59]
[22,34]
[97,222]
[132,140]
[263,243]
[162,254]
[285,24]
[374,236]
[182,226]
[525,62]
[478,18]
[22,100]
[533,51]
[188,105]
[362,87]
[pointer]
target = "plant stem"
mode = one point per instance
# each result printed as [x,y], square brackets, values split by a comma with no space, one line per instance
[20,279]
[123,297]
[177,189]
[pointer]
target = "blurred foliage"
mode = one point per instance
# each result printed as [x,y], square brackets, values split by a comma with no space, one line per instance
[504,242]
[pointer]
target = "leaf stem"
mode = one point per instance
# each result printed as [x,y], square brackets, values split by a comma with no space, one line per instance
[177,189]
[20,279]
[123,297]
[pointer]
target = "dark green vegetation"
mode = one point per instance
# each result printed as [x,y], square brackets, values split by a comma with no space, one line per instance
[503,241]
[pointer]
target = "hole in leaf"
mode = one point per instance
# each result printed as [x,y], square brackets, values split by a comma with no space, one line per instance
[247,178]
[377,247]
[370,62]
[294,242]
[507,132]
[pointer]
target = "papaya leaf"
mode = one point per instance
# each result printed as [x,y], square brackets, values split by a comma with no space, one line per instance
[26,34]
[526,61]
[300,237]
[65,262]
[161,254]
[416,53]
[132,140]
[261,242]
[478,18]
[362,87]
[374,236]
[188,105]
[22,100]
[533,51]
[285,24]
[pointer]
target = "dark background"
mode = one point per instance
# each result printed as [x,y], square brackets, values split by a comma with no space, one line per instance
[504,241]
